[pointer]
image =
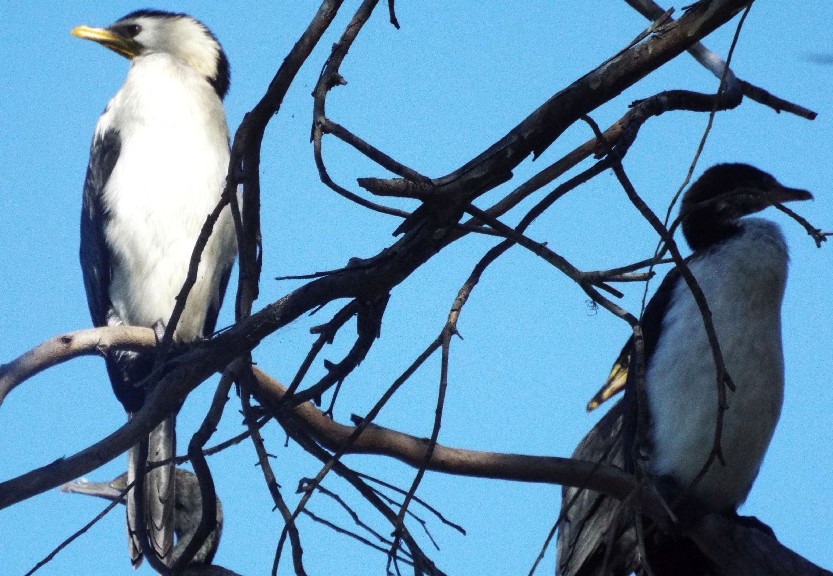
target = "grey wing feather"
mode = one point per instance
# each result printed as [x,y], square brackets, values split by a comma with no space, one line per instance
[594,537]
[160,489]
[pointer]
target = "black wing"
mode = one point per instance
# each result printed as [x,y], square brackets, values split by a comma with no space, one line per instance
[95,256]
[596,535]
[213,311]
[124,368]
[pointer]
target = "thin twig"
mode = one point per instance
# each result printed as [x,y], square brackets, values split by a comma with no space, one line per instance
[190,279]
[368,325]
[416,499]
[816,234]
[448,332]
[392,14]
[208,518]
[330,127]
[335,528]
[79,532]
[350,512]
[714,64]
[244,162]
[367,420]
[326,334]
[421,563]
[290,529]
[537,248]
[329,78]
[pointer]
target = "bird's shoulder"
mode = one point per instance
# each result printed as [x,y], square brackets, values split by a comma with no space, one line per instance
[651,325]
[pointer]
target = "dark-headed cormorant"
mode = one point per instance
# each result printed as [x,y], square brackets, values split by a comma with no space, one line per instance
[741,266]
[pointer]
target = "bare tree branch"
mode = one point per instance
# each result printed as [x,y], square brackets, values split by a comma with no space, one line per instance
[714,64]
[366,285]
[244,164]
[90,342]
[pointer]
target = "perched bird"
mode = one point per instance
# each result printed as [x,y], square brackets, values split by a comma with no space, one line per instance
[740,265]
[157,168]
[187,515]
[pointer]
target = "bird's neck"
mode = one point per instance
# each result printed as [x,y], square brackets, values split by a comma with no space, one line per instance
[703,229]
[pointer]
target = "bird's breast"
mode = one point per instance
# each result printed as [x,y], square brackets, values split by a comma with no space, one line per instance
[168,177]
[743,280]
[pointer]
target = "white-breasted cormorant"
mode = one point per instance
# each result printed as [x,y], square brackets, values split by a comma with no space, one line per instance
[157,168]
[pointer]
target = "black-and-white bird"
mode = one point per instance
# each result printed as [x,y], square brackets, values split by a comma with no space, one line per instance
[157,168]
[740,265]
[187,515]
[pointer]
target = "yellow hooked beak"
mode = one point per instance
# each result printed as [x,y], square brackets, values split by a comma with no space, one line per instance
[127,47]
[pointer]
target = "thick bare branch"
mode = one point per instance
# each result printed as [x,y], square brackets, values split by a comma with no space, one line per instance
[715,64]
[412,450]
[90,342]
[548,122]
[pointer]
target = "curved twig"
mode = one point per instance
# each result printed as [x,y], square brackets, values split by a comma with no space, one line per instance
[289,529]
[208,518]
[328,79]
[244,163]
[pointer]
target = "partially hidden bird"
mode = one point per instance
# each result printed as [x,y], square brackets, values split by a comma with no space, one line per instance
[740,264]
[187,515]
[157,168]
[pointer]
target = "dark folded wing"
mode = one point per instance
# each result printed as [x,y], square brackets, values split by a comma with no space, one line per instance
[594,537]
[95,255]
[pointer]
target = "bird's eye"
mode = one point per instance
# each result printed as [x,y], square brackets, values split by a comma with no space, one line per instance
[132,30]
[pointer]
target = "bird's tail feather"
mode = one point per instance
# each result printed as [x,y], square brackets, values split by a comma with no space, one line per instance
[159,493]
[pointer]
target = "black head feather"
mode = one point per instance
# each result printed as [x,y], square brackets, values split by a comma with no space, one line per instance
[725,193]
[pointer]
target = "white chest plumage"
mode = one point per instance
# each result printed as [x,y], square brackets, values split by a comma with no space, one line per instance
[743,280]
[168,177]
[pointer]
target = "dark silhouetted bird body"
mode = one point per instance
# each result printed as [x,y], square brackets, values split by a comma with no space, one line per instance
[740,264]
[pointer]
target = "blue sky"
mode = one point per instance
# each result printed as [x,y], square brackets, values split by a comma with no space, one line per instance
[432,95]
